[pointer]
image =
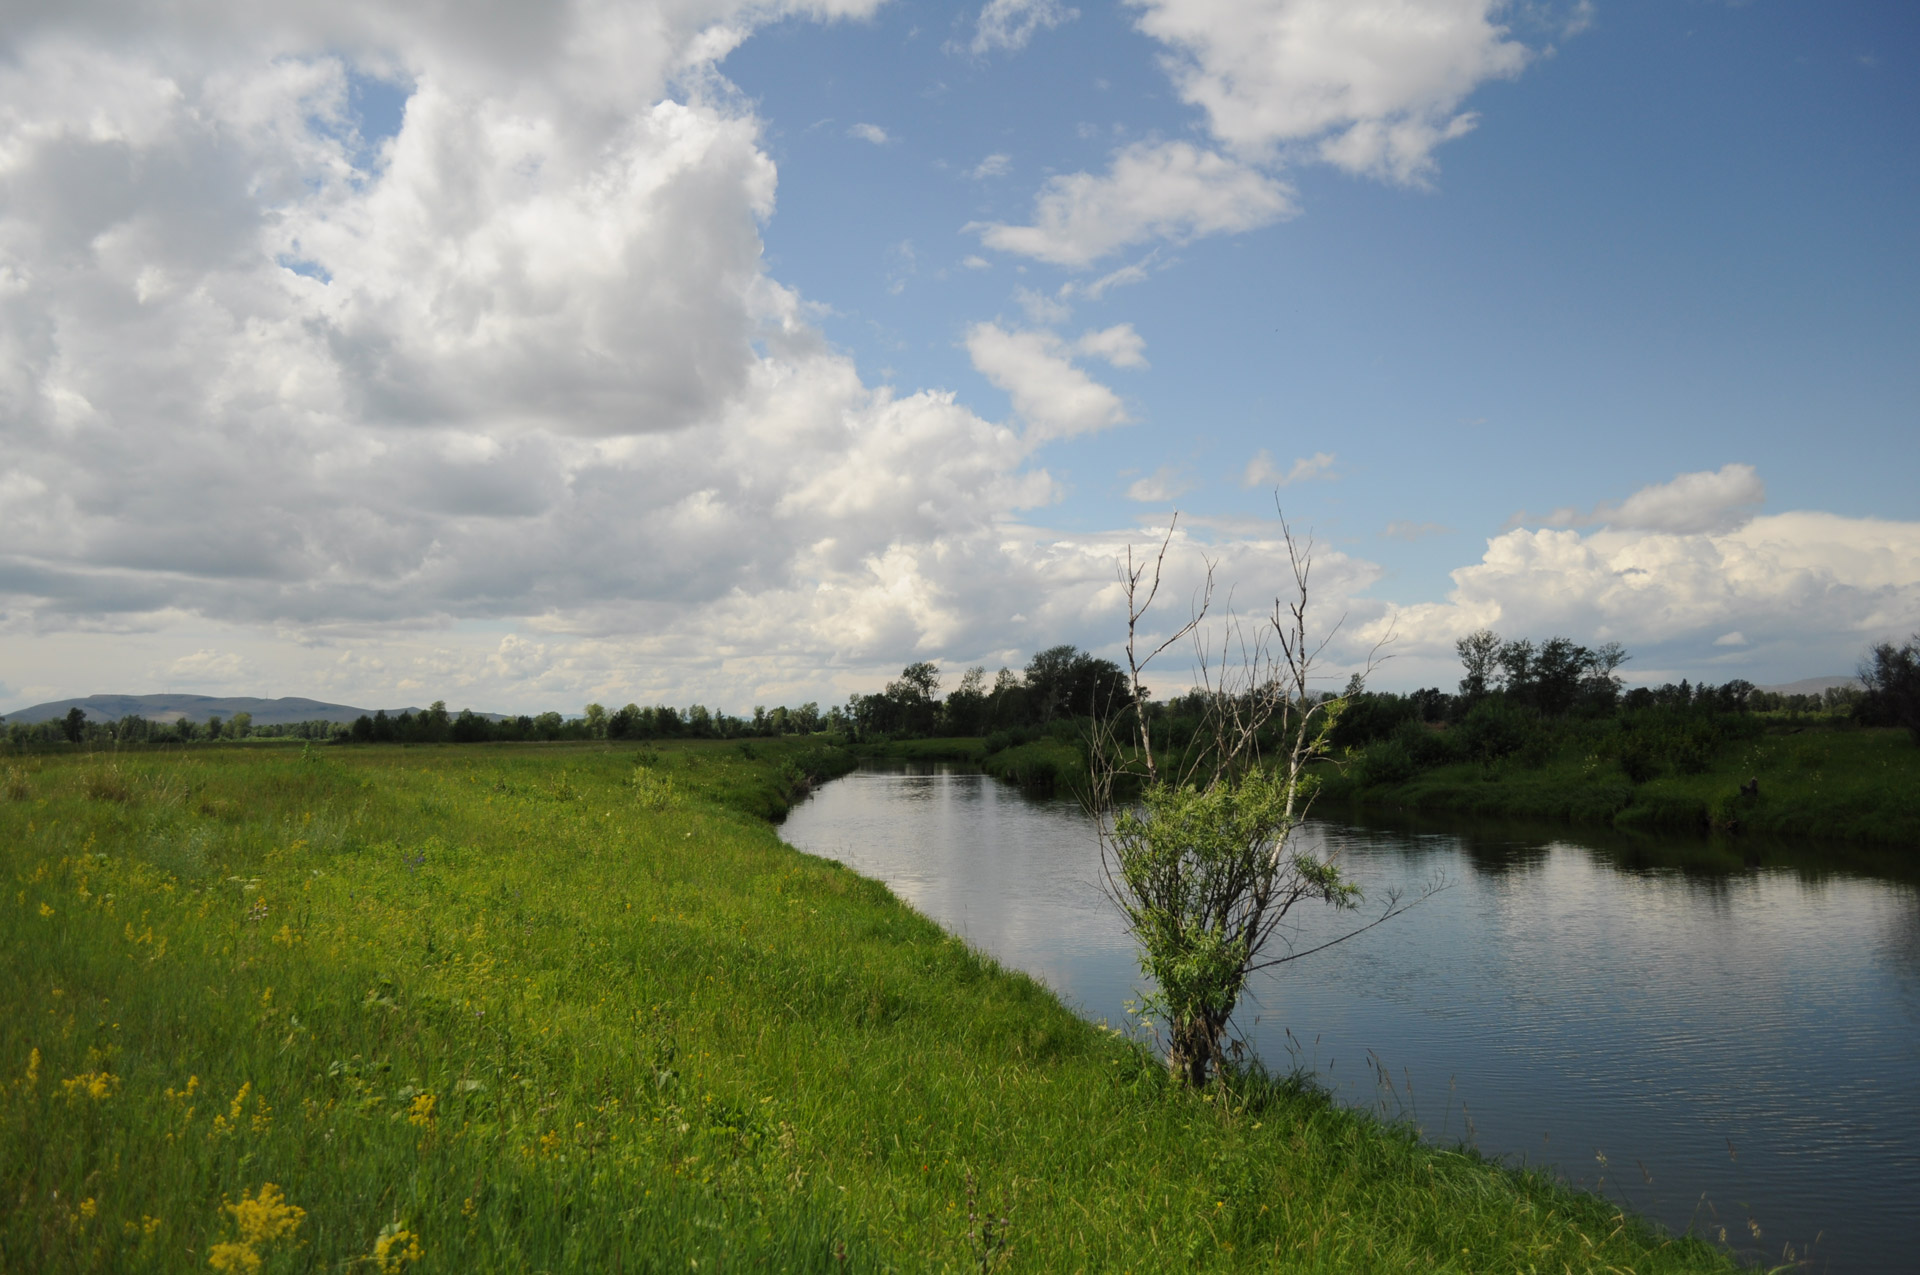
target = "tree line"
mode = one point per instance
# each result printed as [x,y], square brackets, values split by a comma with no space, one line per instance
[1509,692]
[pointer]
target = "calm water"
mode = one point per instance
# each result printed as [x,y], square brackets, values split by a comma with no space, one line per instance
[1722,1048]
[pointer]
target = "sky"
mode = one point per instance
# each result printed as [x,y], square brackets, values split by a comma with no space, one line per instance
[743,351]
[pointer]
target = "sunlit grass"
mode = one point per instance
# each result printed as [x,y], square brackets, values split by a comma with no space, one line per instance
[577,1008]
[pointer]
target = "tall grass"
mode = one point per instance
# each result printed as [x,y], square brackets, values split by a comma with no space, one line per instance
[577,1008]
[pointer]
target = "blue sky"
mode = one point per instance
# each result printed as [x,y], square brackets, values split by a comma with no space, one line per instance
[745,353]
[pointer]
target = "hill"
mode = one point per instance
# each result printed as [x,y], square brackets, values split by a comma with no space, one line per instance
[196,708]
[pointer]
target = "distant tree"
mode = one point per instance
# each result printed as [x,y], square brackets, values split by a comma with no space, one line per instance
[1050,680]
[915,708]
[1479,654]
[74,725]
[595,720]
[699,721]
[1891,676]
[241,726]
[215,726]
[361,732]
[806,718]
[435,723]
[625,723]
[967,707]
[470,728]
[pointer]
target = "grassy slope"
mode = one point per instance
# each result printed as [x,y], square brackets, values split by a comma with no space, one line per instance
[543,1009]
[1825,784]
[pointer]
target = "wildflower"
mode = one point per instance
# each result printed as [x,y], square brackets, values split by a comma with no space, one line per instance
[396,1248]
[259,1220]
[421,1112]
[33,1068]
[46,909]
[97,1085]
[89,1208]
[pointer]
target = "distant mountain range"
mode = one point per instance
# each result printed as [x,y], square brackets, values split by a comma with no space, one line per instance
[1812,685]
[197,708]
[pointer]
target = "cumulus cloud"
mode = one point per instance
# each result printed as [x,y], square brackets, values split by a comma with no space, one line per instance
[1152,190]
[1751,587]
[1261,471]
[1372,86]
[1009,24]
[1708,500]
[1035,368]
[869,133]
[347,405]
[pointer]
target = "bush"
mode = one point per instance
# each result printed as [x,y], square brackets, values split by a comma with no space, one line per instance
[1384,762]
[1427,748]
[1496,729]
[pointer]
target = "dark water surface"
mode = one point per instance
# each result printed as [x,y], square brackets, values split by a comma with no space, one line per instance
[1716,1046]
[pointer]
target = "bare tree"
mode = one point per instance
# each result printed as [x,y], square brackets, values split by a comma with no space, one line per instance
[1202,862]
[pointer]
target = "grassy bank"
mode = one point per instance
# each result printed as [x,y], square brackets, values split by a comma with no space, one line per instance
[1840,784]
[578,1008]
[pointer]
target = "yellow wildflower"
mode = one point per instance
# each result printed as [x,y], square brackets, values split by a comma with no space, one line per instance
[97,1085]
[33,1068]
[88,1208]
[421,1112]
[260,1219]
[396,1248]
[46,909]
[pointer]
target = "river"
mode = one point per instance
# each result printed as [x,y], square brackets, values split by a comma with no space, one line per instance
[1731,1049]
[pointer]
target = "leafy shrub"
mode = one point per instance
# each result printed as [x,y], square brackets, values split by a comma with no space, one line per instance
[1386,761]
[1496,729]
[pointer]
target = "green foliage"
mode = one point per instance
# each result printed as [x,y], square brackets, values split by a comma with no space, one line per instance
[1205,875]
[1891,676]
[1658,772]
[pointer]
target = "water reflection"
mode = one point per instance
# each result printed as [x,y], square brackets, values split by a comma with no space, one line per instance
[1658,1019]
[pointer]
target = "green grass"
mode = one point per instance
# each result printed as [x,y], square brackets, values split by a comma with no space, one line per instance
[545,1008]
[1823,784]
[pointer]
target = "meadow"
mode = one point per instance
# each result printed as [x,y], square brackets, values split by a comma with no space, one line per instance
[520,1007]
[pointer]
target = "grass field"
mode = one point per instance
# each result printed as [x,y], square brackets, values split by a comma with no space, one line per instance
[551,1007]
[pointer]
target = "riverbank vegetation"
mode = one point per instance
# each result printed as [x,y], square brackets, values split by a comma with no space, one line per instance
[1548,732]
[574,1007]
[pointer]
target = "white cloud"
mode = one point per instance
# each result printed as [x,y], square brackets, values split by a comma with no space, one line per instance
[1262,472]
[534,377]
[1165,190]
[1708,500]
[869,133]
[1119,345]
[995,165]
[1372,86]
[1164,483]
[1755,587]
[1125,275]
[207,667]
[1055,398]
[1009,24]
